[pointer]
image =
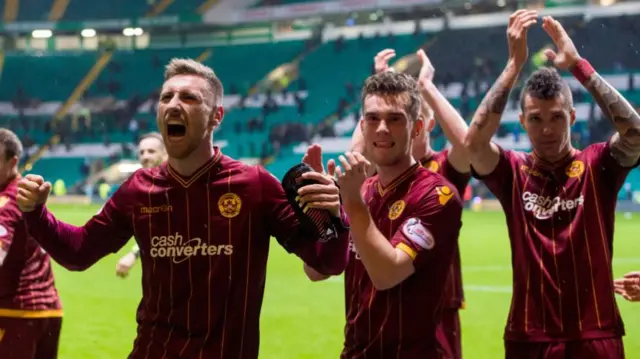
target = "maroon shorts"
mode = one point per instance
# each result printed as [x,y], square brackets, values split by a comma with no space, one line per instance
[22,338]
[610,348]
[448,333]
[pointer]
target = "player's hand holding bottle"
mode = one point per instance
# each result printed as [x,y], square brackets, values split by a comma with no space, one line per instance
[33,191]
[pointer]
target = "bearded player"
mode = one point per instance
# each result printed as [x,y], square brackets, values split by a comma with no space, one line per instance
[203,223]
[405,222]
[30,310]
[559,202]
[151,153]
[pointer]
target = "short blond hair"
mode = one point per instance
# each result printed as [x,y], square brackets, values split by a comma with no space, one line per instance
[191,67]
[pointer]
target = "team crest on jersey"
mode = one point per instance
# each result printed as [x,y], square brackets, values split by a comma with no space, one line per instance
[3,201]
[396,209]
[444,194]
[229,205]
[576,169]
[418,233]
[432,166]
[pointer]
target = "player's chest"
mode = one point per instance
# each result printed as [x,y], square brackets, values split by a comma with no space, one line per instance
[559,194]
[388,214]
[203,213]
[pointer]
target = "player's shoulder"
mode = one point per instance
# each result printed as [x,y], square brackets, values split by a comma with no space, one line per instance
[594,151]
[144,178]
[428,185]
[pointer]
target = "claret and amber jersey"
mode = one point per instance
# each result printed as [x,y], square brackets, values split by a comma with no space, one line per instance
[27,287]
[204,242]
[419,213]
[561,226]
[439,163]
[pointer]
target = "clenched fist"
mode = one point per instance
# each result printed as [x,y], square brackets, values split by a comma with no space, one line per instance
[33,191]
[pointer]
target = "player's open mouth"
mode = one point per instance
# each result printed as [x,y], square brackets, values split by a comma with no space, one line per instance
[176,129]
[383,144]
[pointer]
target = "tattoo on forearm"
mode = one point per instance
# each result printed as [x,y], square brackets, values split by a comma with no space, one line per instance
[626,146]
[494,102]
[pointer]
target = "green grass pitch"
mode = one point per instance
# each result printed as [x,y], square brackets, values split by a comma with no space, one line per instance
[99,308]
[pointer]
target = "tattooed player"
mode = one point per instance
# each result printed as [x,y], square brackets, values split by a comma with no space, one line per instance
[559,202]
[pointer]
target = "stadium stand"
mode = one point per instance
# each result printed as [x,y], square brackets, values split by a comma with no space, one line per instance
[317,101]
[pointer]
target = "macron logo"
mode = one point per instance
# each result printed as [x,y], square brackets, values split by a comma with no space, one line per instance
[179,250]
[544,207]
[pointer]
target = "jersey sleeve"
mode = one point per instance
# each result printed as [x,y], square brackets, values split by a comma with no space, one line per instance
[77,248]
[329,258]
[458,179]
[601,157]
[500,181]
[431,230]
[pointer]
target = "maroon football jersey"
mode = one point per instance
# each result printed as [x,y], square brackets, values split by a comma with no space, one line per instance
[27,288]
[419,213]
[561,224]
[204,242]
[439,163]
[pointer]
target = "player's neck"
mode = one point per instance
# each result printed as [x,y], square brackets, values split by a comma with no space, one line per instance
[386,174]
[558,159]
[187,166]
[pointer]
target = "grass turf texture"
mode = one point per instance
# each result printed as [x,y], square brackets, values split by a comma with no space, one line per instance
[304,320]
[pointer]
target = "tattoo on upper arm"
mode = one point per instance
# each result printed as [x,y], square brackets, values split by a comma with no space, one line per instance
[626,144]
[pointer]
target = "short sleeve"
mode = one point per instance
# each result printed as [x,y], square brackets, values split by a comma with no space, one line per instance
[431,230]
[458,179]
[500,180]
[601,159]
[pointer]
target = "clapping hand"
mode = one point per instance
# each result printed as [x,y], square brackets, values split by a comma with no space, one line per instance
[567,55]
[324,194]
[351,175]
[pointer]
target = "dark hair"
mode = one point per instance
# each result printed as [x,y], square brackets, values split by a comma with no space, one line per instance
[390,83]
[154,134]
[546,84]
[11,144]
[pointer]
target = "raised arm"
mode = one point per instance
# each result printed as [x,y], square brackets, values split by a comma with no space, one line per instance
[484,155]
[625,144]
[453,125]
[75,248]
